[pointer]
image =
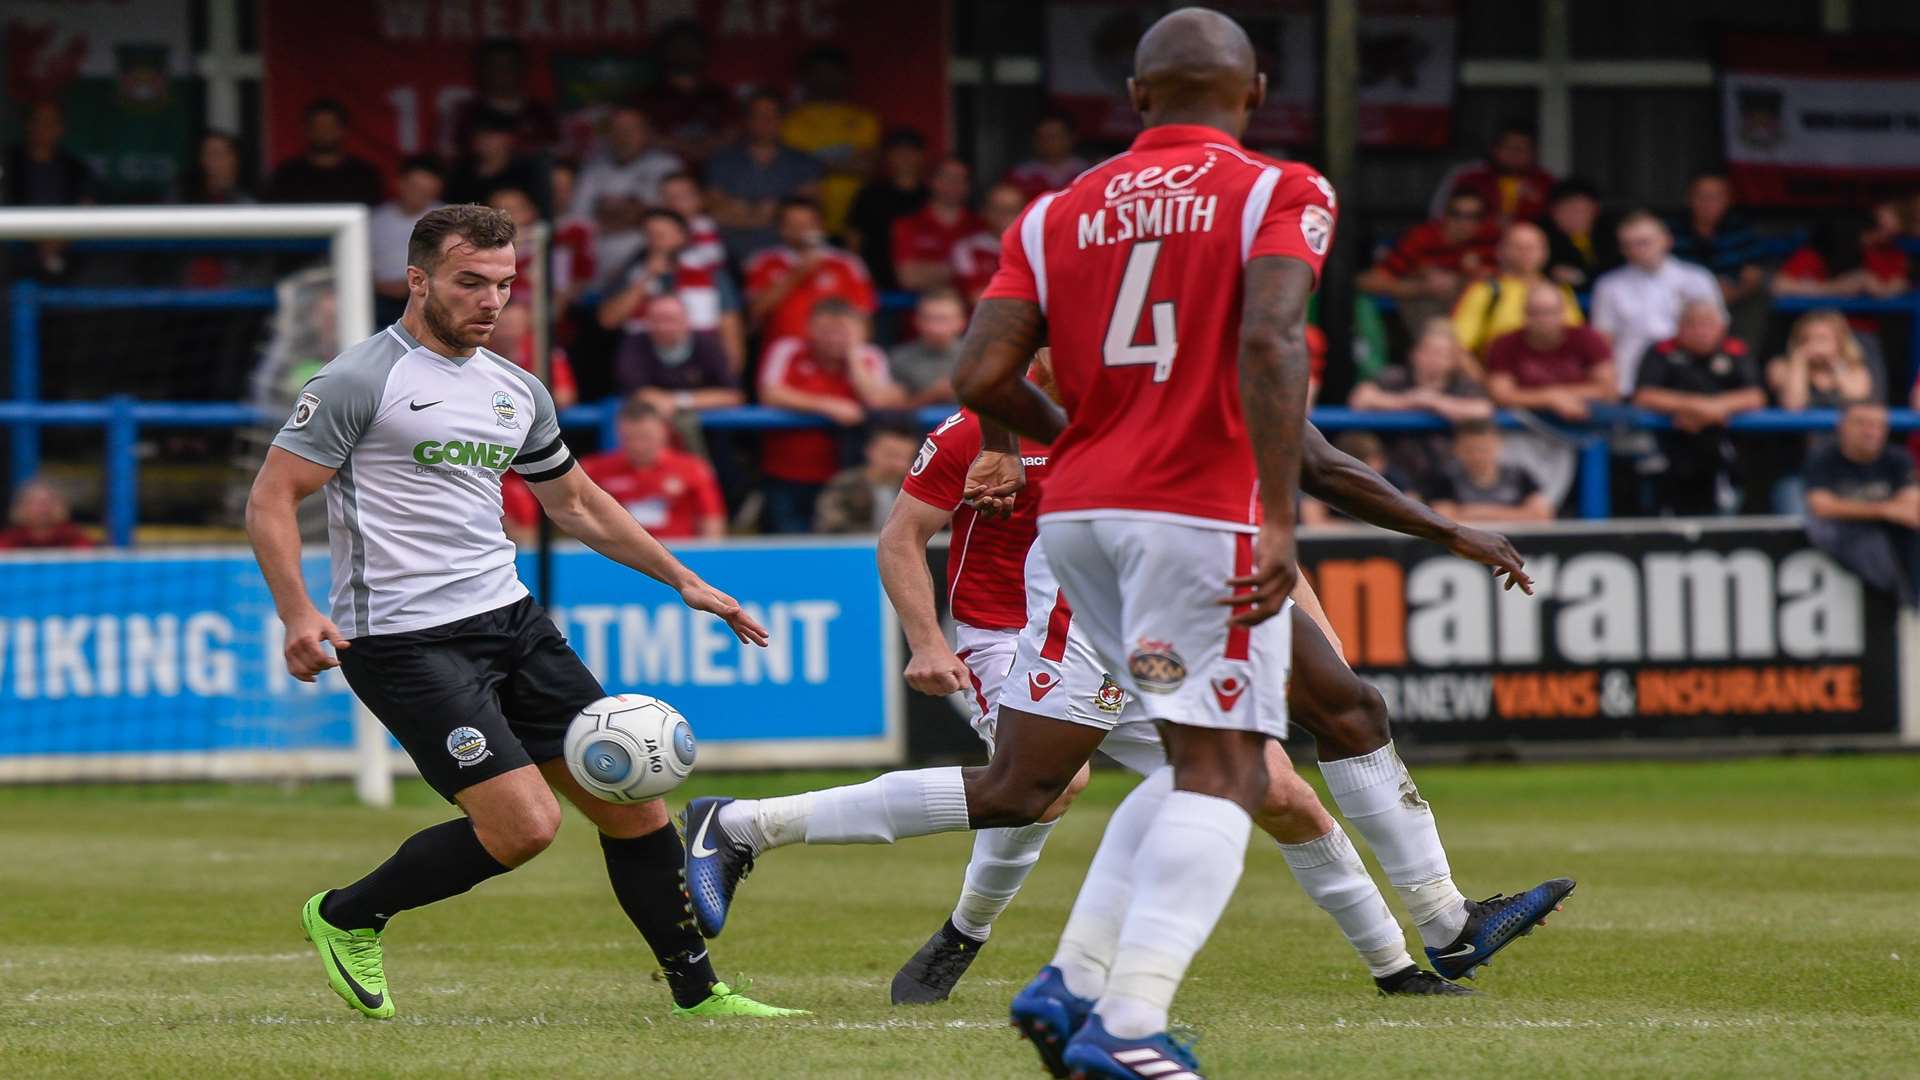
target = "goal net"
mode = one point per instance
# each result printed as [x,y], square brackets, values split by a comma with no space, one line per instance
[150,355]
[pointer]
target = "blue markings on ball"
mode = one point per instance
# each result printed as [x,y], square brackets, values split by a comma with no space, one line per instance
[608,762]
[683,743]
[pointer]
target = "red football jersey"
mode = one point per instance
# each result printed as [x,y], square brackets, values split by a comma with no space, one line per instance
[1138,265]
[811,455]
[838,274]
[987,558]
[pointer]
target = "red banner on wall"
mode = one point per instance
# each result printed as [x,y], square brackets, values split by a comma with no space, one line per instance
[1821,121]
[403,67]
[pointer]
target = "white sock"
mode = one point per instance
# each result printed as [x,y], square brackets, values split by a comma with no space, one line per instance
[1002,859]
[890,807]
[1334,878]
[1183,876]
[1377,795]
[1093,928]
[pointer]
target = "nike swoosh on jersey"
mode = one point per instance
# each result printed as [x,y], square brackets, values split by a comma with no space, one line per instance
[370,1000]
[416,406]
[700,848]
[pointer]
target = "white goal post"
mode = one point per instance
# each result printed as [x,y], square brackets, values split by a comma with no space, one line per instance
[345,229]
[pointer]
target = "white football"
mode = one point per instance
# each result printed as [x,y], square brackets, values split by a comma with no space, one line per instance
[629,748]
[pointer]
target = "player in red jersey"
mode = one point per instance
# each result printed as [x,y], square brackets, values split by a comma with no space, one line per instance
[1171,282]
[998,582]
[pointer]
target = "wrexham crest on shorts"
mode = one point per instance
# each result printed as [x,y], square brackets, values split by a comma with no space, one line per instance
[1110,697]
[1155,666]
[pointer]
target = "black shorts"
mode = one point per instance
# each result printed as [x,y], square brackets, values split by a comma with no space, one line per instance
[477,697]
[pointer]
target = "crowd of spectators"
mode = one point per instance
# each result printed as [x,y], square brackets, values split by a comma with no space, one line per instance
[1519,293]
[715,248]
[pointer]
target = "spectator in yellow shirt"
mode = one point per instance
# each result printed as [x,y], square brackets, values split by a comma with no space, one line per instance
[841,134]
[1498,305]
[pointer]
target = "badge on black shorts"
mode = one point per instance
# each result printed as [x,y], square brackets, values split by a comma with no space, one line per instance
[468,746]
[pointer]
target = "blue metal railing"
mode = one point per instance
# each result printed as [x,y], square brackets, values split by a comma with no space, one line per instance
[123,417]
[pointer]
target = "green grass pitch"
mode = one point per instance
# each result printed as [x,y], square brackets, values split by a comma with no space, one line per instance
[1736,919]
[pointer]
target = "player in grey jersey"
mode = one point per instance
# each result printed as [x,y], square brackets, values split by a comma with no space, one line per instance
[409,433]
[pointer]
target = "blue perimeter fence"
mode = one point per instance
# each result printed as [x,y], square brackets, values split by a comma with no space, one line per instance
[123,416]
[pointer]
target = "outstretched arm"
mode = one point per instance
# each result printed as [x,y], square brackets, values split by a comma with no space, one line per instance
[579,507]
[1346,484]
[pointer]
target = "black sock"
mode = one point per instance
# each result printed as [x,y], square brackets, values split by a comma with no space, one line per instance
[432,864]
[646,876]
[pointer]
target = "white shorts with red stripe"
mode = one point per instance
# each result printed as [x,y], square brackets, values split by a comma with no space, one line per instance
[1142,599]
[988,655]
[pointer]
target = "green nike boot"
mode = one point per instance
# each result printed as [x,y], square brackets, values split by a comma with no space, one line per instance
[353,962]
[725,1001]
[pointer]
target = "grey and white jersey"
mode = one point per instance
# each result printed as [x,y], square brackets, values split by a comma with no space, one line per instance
[419,442]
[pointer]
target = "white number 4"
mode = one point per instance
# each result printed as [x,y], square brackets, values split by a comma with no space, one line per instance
[1119,349]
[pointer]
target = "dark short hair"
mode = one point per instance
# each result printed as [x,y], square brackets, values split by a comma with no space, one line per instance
[680,175]
[489,119]
[1708,174]
[792,203]
[658,212]
[904,136]
[637,408]
[482,226]
[1515,125]
[899,430]
[834,306]
[1459,193]
[326,105]
[1573,187]
[420,163]
[1640,215]
[1474,427]
[1057,116]
[767,93]
[943,292]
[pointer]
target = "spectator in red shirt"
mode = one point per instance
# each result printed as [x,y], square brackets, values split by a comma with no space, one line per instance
[978,256]
[924,242]
[573,237]
[1426,270]
[831,372]
[1548,365]
[1509,178]
[1849,257]
[1053,164]
[41,518]
[673,494]
[666,266]
[784,283]
[681,194]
